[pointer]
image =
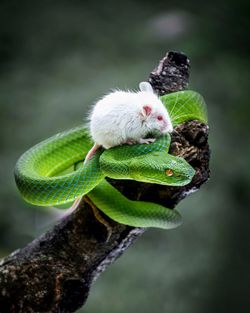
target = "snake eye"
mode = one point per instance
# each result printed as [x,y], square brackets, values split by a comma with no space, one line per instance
[169,172]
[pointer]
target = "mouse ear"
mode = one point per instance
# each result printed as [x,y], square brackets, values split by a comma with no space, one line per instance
[146,110]
[145,86]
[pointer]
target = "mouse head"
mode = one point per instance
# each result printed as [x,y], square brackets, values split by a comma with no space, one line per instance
[154,116]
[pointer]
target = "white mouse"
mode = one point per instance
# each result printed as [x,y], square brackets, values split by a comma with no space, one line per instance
[125,117]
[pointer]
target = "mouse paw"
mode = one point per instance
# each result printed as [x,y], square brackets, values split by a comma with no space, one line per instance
[130,142]
[146,141]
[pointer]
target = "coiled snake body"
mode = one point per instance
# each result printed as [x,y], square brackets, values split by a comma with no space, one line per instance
[41,178]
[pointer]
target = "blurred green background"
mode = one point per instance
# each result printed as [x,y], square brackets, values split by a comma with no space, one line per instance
[58,57]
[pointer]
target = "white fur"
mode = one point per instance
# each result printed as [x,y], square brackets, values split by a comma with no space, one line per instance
[119,117]
[145,86]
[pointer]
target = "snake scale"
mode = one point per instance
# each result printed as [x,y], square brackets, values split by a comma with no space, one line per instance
[49,173]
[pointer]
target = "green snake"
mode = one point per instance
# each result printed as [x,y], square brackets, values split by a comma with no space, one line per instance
[44,174]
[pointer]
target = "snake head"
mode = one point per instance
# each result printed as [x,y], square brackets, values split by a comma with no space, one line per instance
[162,168]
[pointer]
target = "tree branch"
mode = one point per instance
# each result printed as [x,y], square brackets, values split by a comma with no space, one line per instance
[55,271]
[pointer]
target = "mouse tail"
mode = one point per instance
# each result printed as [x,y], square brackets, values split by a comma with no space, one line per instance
[91,152]
[59,214]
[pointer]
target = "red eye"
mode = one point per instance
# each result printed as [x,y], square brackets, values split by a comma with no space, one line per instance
[159,117]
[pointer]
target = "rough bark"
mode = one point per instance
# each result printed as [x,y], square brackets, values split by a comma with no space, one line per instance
[54,272]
